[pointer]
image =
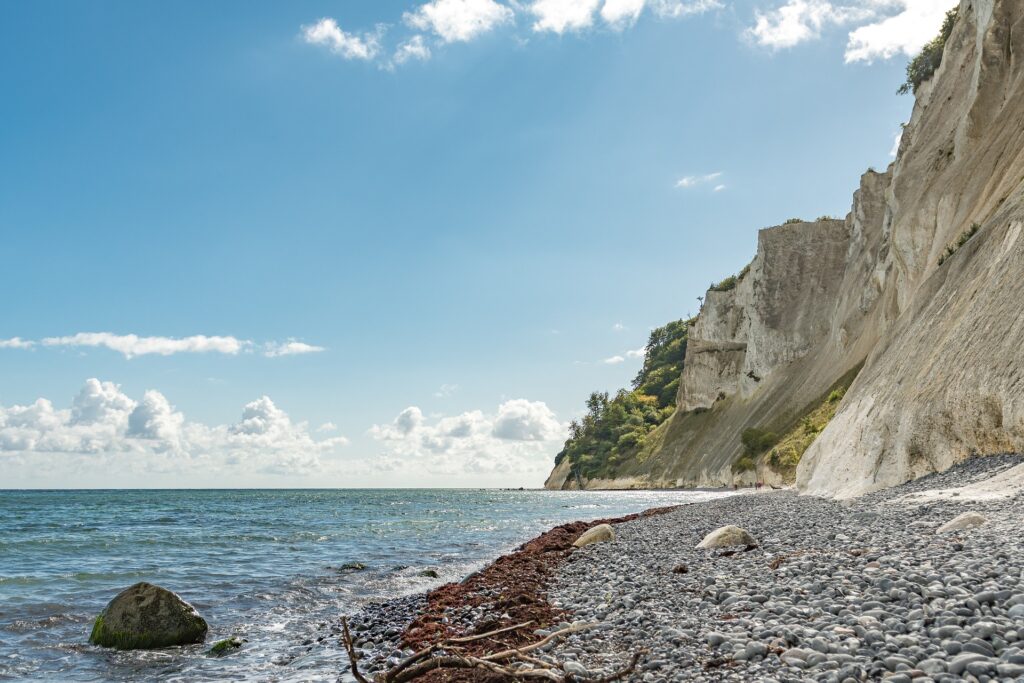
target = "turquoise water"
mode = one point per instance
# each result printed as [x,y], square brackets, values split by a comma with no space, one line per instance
[259,564]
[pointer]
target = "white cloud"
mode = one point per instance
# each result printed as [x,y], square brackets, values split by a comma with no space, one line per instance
[621,13]
[675,9]
[458,20]
[132,345]
[155,418]
[327,33]
[16,343]
[906,32]
[520,437]
[446,390]
[522,420]
[798,21]
[414,48]
[689,181]
[884,28]
[560,16]
[103,423]
[618,327]
[719,188]
[632,353]
[290,348]
[327,427]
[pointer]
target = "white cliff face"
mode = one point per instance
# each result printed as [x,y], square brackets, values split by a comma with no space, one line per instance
[944,377]
[942,345]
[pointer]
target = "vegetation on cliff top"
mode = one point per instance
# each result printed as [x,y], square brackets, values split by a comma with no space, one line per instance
[729,282]
[923,66]
[613,428]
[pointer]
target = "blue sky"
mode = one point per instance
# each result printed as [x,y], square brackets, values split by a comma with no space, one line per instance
[419,228]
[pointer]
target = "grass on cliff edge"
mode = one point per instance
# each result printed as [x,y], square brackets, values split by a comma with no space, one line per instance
[784,452]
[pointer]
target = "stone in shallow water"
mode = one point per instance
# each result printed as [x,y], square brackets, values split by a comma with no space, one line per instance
[144,616]
[967,520]
[727,536]
[597,534]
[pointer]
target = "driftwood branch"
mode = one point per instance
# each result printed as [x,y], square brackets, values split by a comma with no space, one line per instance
[447,655]
[350,648]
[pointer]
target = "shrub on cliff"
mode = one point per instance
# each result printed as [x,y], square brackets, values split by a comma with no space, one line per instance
[923,66]
[614,427]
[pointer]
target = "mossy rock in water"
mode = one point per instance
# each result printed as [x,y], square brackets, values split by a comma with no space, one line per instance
[430,574]
[226,645]
[144,617]
[352,567]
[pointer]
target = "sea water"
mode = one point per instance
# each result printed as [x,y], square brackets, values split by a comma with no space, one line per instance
[263,565]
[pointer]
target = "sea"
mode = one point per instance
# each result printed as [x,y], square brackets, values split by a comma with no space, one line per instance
[262,565]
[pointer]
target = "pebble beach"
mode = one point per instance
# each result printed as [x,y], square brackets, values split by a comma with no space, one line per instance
[837,591]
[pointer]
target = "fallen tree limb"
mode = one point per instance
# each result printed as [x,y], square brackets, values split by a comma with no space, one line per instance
[512,663]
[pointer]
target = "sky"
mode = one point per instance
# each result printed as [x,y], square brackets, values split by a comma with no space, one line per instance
[392,243]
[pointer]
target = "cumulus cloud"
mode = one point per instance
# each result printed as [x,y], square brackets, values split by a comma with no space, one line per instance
[458,20]
[689,181]
[519,437]
[156,419]
[290,348]
[327,33]
[637,353]
[622,12]
[413,49]
[614,360]
[522,420]
[16,343]
[103,421]
[882,28]
[559,16]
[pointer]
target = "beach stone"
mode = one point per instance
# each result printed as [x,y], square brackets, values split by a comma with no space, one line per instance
[144,617]
[725,537]
[967,520]
[597,534]
[575,668]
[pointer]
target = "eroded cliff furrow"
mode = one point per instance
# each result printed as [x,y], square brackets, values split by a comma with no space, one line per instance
[922,285]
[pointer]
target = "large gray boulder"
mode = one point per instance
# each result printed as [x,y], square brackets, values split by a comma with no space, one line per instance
[144,616]
[725,537]
[967,520]
[596,534]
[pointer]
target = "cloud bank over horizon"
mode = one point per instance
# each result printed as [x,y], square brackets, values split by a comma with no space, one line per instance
[103,424]
[107,431]
[520,437]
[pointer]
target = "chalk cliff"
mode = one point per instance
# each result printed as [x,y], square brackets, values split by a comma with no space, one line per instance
[937,329]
